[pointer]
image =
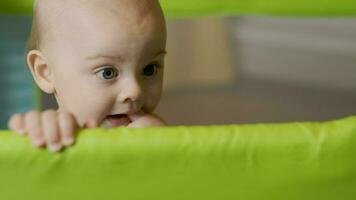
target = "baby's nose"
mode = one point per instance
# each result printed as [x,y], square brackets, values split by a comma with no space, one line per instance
[130,92]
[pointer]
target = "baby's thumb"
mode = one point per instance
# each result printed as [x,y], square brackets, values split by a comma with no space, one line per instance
[135,116]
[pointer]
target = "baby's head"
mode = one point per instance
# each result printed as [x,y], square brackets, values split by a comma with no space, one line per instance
[99,57]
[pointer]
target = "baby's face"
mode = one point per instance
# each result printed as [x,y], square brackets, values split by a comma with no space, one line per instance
[107,57]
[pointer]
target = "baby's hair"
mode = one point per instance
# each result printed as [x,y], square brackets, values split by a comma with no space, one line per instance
[34,38]
[40,19]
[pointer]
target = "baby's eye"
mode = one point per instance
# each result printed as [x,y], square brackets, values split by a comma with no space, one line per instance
[107,73]
[150,70]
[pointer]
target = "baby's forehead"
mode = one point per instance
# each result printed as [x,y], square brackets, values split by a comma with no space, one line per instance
[64,17]
[91,26]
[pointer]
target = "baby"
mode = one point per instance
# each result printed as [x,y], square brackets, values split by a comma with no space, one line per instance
[102,59]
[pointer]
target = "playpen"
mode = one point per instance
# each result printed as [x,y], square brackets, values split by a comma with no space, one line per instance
[305,160]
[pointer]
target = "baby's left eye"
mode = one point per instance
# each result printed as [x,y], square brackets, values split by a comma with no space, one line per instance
[150,70]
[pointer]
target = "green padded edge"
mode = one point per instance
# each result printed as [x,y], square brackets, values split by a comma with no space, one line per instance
[308,160]
[191,8]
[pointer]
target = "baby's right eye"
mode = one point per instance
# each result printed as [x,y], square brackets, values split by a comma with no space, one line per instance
[107,73]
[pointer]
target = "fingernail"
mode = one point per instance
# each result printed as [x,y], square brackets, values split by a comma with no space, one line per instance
[54,147]
[38,143]
[68,141]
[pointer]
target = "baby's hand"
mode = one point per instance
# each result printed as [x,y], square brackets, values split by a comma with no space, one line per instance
[142,120]
[50,128]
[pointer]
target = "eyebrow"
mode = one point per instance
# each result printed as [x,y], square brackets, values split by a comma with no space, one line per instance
[163,52]
[120,58]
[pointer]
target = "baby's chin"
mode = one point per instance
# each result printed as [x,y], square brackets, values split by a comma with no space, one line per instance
[113,121]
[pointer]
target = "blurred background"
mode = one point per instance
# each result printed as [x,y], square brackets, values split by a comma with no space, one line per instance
[17,93]
[226,70]
[260,69]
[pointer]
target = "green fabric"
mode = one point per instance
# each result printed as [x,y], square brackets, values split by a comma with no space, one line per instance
[189,8]
[263,161]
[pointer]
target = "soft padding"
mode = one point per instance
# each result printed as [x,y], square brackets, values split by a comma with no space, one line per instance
[307,160]
[189,8]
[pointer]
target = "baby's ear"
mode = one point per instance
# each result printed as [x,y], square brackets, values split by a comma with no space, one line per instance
[40,71]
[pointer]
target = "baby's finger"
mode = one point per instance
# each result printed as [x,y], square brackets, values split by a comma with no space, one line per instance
[17,124]
[91,124]
[50,129]
[135,116]
[34,129]
[67,126]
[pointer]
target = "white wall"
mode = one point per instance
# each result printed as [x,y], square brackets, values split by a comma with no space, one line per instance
[307,52]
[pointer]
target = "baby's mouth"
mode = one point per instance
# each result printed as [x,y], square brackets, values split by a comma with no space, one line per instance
[117,120]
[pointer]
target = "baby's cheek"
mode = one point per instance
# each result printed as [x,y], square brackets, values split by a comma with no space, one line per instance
[94,108]
[151,104]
